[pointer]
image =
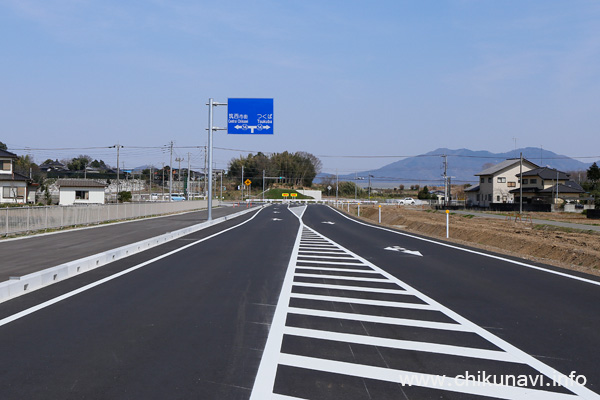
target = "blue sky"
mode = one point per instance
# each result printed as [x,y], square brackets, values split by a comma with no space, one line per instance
[347,77]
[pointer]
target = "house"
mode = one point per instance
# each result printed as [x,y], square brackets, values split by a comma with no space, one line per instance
[497,182]
[80,191]
[547,185]
[53,166]
[13,186]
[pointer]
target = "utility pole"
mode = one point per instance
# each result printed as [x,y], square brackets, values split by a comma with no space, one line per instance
[171,174]
[118,147]
[163,182]
[263,192]
[179,160]
[521,185]
[221,195]
[445,179]
[337,184]
[211,128]
[204,183]
[188,177]
[242,187]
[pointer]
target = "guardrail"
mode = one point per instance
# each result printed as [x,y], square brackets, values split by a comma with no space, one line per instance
[15,220]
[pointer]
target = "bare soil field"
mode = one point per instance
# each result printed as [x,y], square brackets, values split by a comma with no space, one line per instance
[561,247]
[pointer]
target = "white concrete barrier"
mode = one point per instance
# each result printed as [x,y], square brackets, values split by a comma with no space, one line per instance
[17,286]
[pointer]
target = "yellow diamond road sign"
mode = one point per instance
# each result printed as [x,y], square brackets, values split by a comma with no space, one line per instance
[247,182]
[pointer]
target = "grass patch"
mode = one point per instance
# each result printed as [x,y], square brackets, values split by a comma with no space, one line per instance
[469,216]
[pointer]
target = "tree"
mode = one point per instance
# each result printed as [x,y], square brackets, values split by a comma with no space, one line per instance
[3,146]
[593,173]
[423,194]
[79,163]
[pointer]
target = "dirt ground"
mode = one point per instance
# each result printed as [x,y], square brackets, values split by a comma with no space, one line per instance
[561,247]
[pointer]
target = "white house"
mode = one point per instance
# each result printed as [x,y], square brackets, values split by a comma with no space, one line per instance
[497,182]
[13,186]
[80,191]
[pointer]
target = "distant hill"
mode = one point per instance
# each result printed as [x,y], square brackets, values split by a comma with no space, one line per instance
[463,164]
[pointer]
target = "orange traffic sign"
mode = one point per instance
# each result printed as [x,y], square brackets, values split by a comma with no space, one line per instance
[294,194]
[247,182]
[285,194]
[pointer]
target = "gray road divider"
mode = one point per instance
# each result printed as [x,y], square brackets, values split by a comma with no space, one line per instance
[20,285]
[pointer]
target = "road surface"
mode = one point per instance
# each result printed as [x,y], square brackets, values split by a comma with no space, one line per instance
[305,303]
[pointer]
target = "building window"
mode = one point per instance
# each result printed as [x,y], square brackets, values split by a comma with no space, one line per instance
[489,180]
[533,181]
[5,166]
[498,198]
[525,181]
[477,196]
[511,184]
[82,195]
[13,192]
[481,180]
[501,179]
[490,197]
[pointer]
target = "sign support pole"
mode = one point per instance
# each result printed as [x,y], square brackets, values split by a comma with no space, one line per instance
[211,103]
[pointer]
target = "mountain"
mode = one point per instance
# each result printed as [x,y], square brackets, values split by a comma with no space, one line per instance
[463,164]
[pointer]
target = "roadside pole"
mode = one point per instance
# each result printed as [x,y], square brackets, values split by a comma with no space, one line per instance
[358,210]
[447,224]
[380,213]
[211,128]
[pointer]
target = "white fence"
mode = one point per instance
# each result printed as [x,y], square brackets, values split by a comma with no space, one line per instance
[15,220]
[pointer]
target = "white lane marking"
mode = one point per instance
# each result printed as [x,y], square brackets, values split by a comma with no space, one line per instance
[332,269]
[475,252]
[275,396]
[320,250]
[403,250]
[446,326]
[556,376]
[328,262]
[343,278]
[471,352]
[426,380]
[82,289]
[367,302]
[265,377]
[325,257]
[355,288]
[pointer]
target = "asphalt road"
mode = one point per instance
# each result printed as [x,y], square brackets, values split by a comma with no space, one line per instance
[305,304]
[33,253]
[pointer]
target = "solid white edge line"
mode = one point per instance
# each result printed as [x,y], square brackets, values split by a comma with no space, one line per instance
[419,379]
[427,347]
[267,370]
[563,274]
[55,300]
[550,372]
[446,326]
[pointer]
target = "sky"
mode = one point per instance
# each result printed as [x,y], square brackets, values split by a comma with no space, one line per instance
[348,78]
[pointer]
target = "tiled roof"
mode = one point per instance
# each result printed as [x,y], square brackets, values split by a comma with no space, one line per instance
[4,153]
[500,166]
[546,173]
[13,177]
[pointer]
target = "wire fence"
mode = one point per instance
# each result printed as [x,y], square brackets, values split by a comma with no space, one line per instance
[15,220]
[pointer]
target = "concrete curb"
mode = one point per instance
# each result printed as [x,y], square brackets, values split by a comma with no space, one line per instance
[18,286]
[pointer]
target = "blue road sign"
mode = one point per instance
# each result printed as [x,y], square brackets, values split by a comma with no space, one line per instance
[250,116]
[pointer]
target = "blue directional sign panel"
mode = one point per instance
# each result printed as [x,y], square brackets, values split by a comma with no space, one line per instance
[250,116]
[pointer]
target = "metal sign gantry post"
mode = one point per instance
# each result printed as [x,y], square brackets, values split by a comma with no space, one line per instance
[211,103]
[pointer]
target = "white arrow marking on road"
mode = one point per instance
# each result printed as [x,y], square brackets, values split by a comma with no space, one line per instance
[403,250]
[328,222]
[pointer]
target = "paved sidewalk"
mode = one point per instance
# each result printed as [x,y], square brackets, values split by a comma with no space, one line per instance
[34,253]
[583,227]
